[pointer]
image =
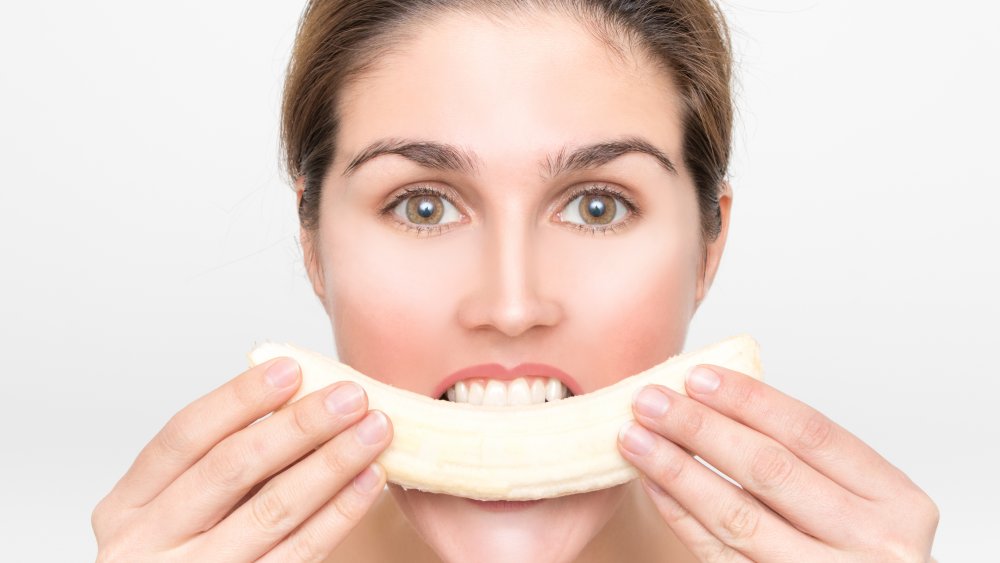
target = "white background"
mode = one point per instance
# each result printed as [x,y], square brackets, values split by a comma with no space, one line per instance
[147,239]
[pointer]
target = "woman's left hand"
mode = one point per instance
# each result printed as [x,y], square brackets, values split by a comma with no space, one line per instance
[812,491]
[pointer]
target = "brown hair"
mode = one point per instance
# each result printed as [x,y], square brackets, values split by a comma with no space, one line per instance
[340,39]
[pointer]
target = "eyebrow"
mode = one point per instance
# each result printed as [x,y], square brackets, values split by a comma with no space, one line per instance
[445,157]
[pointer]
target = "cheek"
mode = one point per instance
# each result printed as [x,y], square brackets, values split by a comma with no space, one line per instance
[635,302]
[387,298]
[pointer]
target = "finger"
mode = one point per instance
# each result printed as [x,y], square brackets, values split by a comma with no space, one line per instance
[292,497]
[726,511]
[217,481]
[808,499]
[190,433]
[808,434]
[688,529]
[318,536]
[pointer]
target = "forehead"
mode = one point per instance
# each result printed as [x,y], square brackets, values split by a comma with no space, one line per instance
[510,91]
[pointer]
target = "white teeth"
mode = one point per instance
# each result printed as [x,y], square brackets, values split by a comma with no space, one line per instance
[554,390]
[538,390]
[476,393]
[520,392]
[495,395]
[461,393]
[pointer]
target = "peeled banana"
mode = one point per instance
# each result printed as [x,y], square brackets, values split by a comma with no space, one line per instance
[510,452]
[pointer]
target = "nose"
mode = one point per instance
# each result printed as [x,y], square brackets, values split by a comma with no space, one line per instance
[507,294]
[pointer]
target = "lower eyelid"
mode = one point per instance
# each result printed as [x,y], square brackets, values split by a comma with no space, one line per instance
[631,213]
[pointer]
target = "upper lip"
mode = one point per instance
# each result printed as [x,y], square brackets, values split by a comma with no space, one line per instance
[499,372]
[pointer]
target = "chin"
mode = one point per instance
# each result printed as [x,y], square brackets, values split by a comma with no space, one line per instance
[551,530]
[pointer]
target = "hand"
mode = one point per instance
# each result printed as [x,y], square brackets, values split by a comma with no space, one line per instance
[213,485]
[811,490]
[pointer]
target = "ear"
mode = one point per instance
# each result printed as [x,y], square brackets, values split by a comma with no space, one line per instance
[713,250]
[310,249]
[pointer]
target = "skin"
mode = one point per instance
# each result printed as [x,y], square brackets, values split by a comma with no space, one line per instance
[513,277]
[509,282]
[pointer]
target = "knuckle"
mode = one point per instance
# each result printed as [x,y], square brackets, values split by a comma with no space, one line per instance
[771,468]
[97,517]
[176,440]
[114,554]
[302,421]
[334,459]
[740,520]
[259,446]
[270,511]
[923,509]
[347,509]
[245,391]
[673,512]
[104,519]
[814,432]
[692,422]
[933,512]
[224,469]
[717,552]
[744,396]
[900,550]
[305,546]
[672,467]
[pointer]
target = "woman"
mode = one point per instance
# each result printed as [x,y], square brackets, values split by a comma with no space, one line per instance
[510,182]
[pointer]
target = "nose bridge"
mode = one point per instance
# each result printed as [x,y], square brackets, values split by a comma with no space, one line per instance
[509,296]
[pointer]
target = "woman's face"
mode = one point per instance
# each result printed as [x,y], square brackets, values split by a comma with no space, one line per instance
[504,265]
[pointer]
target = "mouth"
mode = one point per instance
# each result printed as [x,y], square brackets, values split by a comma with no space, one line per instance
[495,385]
[494,392]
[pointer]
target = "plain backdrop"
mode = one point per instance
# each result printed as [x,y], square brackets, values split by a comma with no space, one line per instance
[147,237]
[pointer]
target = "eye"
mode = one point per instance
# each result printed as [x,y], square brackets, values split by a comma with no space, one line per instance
[424,207]
[601,208]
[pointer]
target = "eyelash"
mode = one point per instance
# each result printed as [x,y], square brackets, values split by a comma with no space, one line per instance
[592,189]
[605,190]
[432,230]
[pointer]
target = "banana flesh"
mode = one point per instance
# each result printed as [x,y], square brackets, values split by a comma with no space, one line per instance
[510,452]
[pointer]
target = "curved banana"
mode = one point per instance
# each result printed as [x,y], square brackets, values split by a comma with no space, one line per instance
[510,452]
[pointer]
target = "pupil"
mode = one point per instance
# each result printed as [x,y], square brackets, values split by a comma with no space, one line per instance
[426,208]
[596,207]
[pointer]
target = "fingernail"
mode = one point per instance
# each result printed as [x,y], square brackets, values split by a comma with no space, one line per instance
[702,380]
[344,399]
[367,479]
[635,438]
[372,428]
[282,373]
[651,402]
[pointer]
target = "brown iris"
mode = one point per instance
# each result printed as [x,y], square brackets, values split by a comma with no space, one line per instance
[425,209]
[597,209]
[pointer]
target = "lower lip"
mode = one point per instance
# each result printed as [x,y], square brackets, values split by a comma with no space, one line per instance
[503,505]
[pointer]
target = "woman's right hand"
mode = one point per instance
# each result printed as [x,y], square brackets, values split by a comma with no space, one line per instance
[215,485]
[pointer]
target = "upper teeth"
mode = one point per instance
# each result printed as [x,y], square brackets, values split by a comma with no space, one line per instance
[521,391]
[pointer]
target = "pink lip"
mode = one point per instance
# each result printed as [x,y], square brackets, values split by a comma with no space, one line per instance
[497,371]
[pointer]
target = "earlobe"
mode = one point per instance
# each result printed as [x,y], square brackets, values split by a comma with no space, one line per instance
[714,249]
[310,258]
[310,254]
